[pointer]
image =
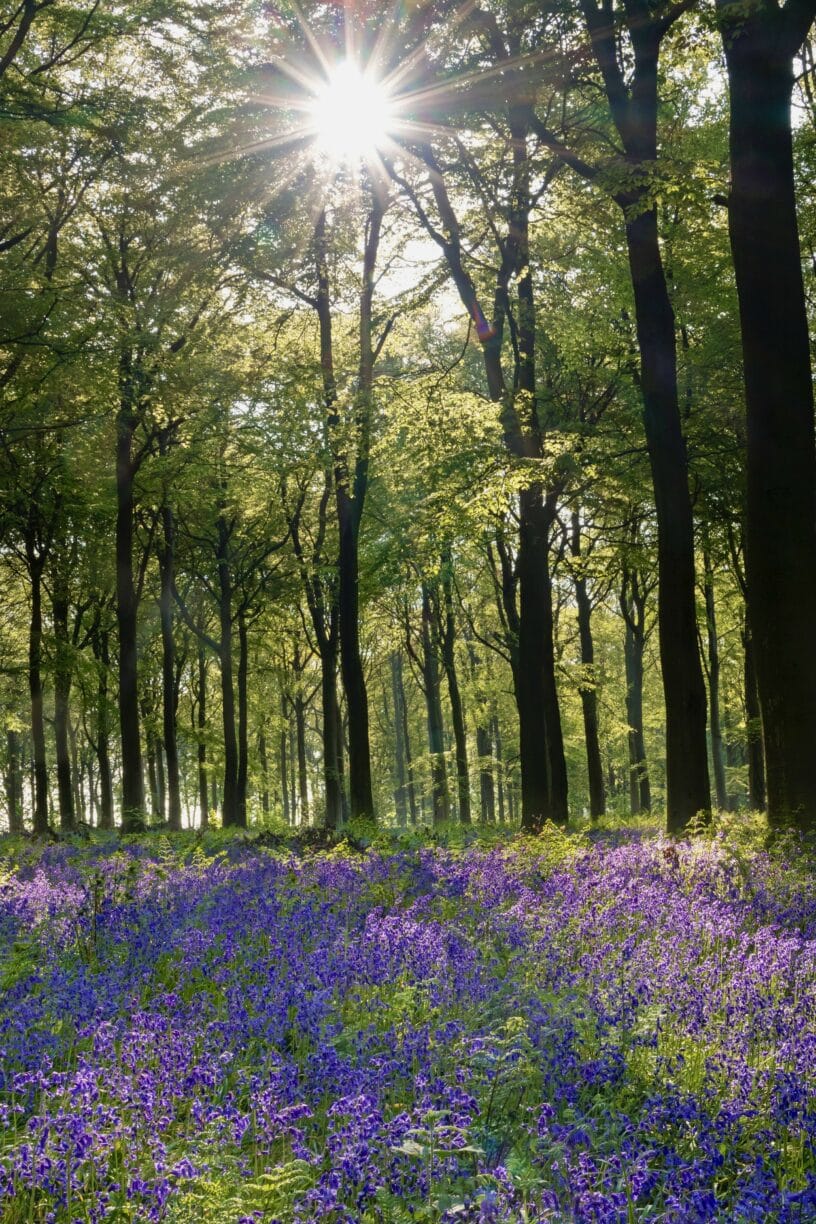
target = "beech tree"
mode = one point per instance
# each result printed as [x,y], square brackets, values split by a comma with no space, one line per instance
[780,537]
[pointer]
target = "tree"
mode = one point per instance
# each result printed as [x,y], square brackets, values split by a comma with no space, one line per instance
[626,42]
[544,778]
[780,537]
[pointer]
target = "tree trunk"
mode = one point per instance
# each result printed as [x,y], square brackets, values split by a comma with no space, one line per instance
[102,643]
[201,698]
[541,745]
[589,691]
[351,485]
[293,801]
[433,706]
[543,765]
[77,773]
[300,740]
[753,730]
[126,608]
[633,608]
[264,764]
[31,783]
[780,536]
[288,815]
[243,720]
[351,663]
[167,560]
[35,688]
[399,683]
[341,757]
[231,813]
[14,782]
[161,787]
[687,787]
[713,644]
[62,690]
[332,767]
[632,94]
[321,598]
[448,642]
[400,776]
[397,762]
[487,794]
[152,774]
[484,746]
[497,741]
[91,777]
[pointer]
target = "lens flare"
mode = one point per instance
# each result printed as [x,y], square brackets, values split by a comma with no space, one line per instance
[351,114]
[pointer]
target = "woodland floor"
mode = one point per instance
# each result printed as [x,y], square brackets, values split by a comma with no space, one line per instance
[559,1028]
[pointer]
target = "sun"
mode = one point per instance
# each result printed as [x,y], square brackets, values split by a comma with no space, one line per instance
[351,114]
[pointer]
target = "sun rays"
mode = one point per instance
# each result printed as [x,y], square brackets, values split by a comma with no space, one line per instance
[355,97]
[351,114]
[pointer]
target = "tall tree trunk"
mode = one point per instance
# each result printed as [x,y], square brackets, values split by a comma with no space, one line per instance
[687,787]
[398,680]
[161,787]
[91,776]
[544,792]
[544,769]
[640,797]
[201,700]
[35,688]
[167,561]
[543,765]
[62,690]
[321,598]
[757,796]
[713,645]
[433,706]
[77,772]
[300,740]
[32,788]
[633,607]
[484,746]
[630,81]
[351,486]
[400,792]
[288,815]
[243,719]
[332,766]
[500,788]
[341,758]
[487,794]
[589,691]
[448,643]
[351,663]
[264,764]
[397,763]
[102,646]
[14,782]
[231,808]
[126,608]
[293,800]
[780,536]
[152,773]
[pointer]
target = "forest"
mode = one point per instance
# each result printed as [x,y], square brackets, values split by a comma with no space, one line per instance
[405,474]
[408,571]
